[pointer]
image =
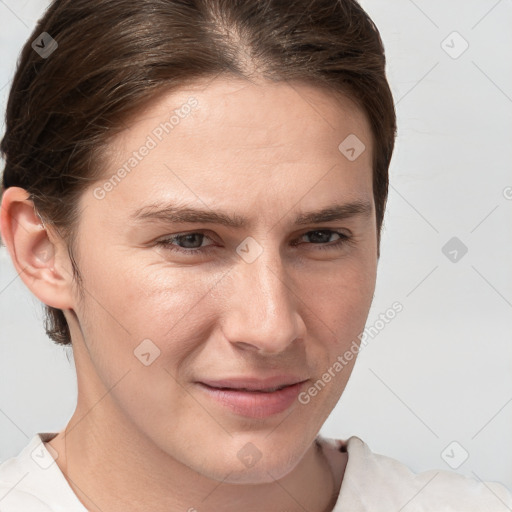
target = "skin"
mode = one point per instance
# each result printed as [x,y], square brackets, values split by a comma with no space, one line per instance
[147,437]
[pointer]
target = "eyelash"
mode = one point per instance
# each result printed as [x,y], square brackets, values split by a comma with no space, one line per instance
[167,242]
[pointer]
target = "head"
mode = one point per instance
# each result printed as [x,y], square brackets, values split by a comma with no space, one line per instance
[261,112]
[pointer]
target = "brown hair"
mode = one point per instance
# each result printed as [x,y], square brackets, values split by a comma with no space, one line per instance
[113,56]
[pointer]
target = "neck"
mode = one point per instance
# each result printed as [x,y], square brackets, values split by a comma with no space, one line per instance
[119,469]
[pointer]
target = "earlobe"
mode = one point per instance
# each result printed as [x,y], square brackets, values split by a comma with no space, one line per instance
[36,258]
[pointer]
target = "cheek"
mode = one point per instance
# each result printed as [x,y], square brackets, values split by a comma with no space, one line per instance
[177,308]
[128,302]
[342,297]
[151,298]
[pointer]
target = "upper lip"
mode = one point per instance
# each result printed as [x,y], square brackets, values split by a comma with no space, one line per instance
[254,383]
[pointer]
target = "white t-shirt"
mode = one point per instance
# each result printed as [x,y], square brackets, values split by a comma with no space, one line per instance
[33,482]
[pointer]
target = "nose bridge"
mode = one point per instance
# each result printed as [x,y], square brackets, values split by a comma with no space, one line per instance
[266,279]
[263,306]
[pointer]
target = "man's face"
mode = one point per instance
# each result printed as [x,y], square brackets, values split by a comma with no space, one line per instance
[269,298]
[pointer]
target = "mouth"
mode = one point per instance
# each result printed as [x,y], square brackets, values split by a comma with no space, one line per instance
[251,398]
[254,384]
[250,390]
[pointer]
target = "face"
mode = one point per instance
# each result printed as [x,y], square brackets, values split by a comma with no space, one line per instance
[176,300]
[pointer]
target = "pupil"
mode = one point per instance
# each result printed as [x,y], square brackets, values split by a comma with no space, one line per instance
[322,236]
[191,237]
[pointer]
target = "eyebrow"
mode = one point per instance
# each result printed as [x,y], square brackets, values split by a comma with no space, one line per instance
[170,213]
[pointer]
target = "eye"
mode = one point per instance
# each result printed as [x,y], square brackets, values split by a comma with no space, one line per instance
[192,243]
[187,239]
[321,236]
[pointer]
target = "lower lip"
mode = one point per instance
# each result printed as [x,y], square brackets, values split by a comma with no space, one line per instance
[255,404]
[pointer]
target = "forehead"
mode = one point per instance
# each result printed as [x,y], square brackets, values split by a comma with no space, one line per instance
[233,142]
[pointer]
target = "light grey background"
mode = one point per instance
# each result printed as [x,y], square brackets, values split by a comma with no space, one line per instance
[441,371]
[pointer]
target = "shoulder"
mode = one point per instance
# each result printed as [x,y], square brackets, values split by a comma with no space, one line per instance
[14,500]
[24,479]
[377,482]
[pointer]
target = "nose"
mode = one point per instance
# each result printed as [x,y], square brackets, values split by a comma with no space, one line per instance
[263,310]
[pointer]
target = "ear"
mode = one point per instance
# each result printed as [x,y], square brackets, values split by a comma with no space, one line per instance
[39,256]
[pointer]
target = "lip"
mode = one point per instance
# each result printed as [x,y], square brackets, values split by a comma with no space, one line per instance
[253,383]
[244,396]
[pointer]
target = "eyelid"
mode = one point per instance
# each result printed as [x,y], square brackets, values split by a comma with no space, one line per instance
[343,240]
[203,232]
[341,231]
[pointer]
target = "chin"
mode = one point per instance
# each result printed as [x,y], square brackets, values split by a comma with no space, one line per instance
[250,466]
[263,474]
